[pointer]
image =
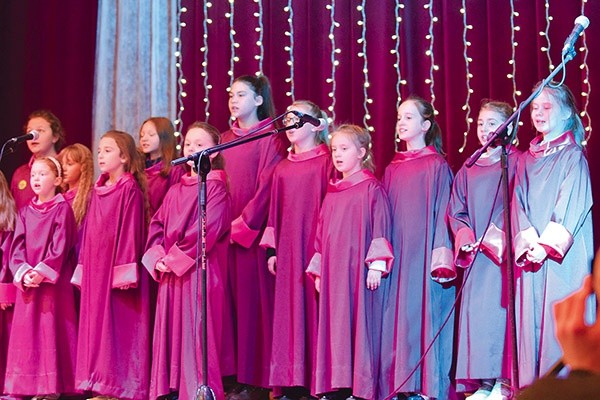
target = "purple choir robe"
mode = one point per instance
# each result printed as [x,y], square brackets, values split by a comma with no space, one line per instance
[419,184]
[551,205]
[113,351]
[299,185]
[20,186]
[354,229]
[250,169]
[8,294]
[173,237]
[158,185]
[482,344]
[42,345]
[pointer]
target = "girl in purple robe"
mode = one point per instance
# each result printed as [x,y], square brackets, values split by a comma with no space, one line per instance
[352,254]
[8,291]
[51,139]
[157,142]
[299,184]
[113,351]
[552,226]
[41,350]
[250,169]
[421,293]
[170,258]
[476,216]
[78,172]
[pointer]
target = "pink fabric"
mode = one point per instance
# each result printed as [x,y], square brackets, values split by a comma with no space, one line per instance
[153,255]
[159,184]
[19,184]
[125,275]
[242,234]
[314,266]
[47,272]
[493,244]
[464,236]
[268,238]
[524,240]
[442,267]
[179,261]
[19,274]
[556,239]
[44,316]
[77,275]
[8,294]
[381,249]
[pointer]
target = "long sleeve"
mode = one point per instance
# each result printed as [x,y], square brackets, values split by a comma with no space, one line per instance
[314,265]
[8,291]
[442,255]
[459,220]
[380,248]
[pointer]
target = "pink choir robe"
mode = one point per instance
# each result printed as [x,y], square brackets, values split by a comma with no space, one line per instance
[299,185]
[158,185]
[354,229]
[41,350]
[113,351]
[482,344]
[551,205]
[419,184]
[250,169]
[8,295]
[20,186]
[173,238]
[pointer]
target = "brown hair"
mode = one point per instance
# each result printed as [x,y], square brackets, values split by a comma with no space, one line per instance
[80,154]
[8,208]
[261,86]
[167,144]
[55,124]
[362,139]
[219,161]
[433,137]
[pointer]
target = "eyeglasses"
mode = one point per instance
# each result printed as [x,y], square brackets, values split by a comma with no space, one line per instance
[290,119]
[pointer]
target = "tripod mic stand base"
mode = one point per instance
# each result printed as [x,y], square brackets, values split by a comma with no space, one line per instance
[204,392]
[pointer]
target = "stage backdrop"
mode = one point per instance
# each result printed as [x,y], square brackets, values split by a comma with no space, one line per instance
[354,58]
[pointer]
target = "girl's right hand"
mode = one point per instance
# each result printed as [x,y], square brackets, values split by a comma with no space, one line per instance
[272,264]
[162,267]
[4,306]
[318,284]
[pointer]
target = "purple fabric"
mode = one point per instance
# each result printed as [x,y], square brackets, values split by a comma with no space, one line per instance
[177,353]
[19,185]
[552,184]
[250,169]
[419,184]
[113,352]
[299,185]
[482,347]
[6,286]
[41,351]
[158,185]
[355,211]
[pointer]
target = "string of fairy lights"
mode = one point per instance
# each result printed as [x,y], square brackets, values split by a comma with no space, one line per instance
[467,105]
[361,21]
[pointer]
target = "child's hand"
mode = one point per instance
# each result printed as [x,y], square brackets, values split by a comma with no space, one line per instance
[4,306]
[162,267]
[272,264]
[536,253]
[318,284]
[32,279]
[469,247]
[373,279]
[125,287]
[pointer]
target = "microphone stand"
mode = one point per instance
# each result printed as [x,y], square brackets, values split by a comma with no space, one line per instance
[202,164]
[502,137]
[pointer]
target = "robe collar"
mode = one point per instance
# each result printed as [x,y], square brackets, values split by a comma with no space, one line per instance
[153,165]
[70,195]
[235,128]
[213,175]
[47,205]
[538,149]
[352,180]
[102,189]
[307,155]
[409,155]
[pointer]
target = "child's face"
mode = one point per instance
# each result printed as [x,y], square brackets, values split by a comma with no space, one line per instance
[71,171]
[547,115]
[109,157]
[197,139]
[304,136]
[149,140]
[487,122]
[43,180]
[44,144]
[347,157]
[243,102]
[410,125]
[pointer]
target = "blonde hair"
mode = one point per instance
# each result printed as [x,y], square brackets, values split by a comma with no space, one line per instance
[362,139]
[321,136]
[81,155]
[8,208]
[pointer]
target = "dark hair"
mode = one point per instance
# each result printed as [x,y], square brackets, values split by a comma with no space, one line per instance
[166,141]
[219,161]
[362,139]
[55,124]
[433,137]
[564,97]
[261,87]
[314,110]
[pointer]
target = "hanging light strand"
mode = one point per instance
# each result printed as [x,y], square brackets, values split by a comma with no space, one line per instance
[585,93]
[261,30]
[513,75]
[396,51]
[181,94]
[290,49]
[232,43]
[362,22]
[433,67]
[546,34]
[334,62]
[467,106]
[206,21]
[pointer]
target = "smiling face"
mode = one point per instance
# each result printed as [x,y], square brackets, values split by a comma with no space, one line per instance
[547,115]
[150,140]
[244,102]
[347,156]
[44,180]
[44,145]
[411,127]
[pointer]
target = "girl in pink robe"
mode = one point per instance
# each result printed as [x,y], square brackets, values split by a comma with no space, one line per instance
[170,258]
[8,291]
[250,169]
[78,173]
[113,351]
[41,350]
[352,254]
[299,184]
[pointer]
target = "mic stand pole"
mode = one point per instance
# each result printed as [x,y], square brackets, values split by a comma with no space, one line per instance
[501,136]
[202,164]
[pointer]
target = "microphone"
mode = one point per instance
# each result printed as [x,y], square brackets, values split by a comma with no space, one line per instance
[31,135]
[581,23]
[319,123]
